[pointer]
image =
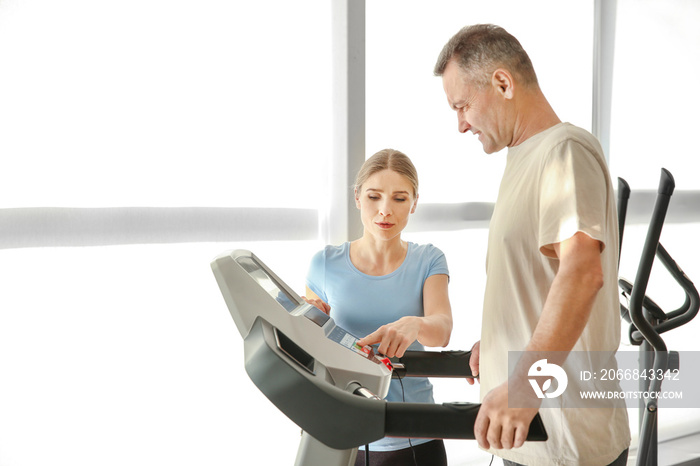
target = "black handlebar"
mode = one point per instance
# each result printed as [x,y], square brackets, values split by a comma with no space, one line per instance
[434,364]
[666,186]
[639,302]
[671,320]
[689,309]
[448,420]
[623,196]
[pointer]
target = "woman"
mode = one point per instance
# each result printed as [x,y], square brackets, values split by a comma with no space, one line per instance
[392,292]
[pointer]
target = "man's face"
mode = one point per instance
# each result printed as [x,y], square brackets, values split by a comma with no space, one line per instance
[479,109]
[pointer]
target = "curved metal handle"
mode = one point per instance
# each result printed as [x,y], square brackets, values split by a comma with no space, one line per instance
[666,186]
[687,311]
[690,307]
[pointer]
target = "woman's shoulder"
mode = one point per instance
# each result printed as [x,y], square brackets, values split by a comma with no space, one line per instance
[327,260]
[425,250]
[427,256]
[332,252]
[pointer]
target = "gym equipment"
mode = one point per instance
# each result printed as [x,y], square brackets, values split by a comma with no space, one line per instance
[315,372]
[647,320]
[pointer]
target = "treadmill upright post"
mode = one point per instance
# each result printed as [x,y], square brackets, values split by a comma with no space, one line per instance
[311,452]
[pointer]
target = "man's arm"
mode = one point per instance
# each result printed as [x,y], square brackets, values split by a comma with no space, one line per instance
[565,314]
[474,362]
[570,300]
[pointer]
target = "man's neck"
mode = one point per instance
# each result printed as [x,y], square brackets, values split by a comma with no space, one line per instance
[534,115]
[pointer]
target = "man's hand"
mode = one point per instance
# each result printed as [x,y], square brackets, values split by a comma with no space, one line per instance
[474,362]
[394,338]
[497,425]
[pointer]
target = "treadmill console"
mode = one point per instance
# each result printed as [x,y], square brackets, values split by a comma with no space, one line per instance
[302,333]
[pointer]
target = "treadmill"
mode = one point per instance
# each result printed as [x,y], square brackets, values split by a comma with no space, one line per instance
[317,375]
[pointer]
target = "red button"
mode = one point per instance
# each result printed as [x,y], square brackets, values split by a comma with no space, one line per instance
[387,363]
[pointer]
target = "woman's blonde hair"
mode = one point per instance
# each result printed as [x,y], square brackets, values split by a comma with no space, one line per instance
[388,159]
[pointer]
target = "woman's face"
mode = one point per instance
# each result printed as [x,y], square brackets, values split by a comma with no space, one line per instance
[385,201]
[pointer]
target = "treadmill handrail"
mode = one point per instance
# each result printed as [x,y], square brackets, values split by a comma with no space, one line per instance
[447,420]
[436,364]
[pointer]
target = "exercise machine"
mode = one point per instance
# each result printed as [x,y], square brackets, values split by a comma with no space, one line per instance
[317,375]
[647,320]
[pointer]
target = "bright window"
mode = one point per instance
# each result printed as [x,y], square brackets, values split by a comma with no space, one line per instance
[406,105]
[163,103]
[654,115]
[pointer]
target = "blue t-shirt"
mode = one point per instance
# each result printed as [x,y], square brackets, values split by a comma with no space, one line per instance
[362,303]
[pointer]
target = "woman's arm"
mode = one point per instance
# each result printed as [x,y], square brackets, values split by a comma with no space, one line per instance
[433,329]
[437,323]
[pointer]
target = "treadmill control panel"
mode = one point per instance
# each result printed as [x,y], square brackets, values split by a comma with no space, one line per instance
[291,303]
[348,340]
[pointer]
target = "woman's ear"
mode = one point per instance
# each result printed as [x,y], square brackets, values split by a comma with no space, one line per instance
[415,204]
[357,199]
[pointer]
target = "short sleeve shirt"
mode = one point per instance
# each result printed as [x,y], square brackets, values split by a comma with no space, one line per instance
[555,184]
[362,303]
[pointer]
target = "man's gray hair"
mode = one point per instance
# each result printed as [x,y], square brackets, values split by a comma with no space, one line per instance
[481,49]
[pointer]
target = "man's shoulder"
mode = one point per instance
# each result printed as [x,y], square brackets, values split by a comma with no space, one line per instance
[566,132]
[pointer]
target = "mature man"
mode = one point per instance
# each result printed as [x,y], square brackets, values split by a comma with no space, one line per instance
[552,253]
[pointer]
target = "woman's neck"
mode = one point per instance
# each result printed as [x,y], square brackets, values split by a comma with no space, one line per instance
[378,257]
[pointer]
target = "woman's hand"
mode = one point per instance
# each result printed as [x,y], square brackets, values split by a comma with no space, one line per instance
[433,329]
[318,303]
[394,338]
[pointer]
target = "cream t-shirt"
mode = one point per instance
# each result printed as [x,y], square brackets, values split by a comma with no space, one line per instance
[555,184]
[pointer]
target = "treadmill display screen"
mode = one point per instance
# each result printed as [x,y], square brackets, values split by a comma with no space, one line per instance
[268,283]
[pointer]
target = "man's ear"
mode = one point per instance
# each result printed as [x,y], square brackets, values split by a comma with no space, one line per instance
[502,81]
